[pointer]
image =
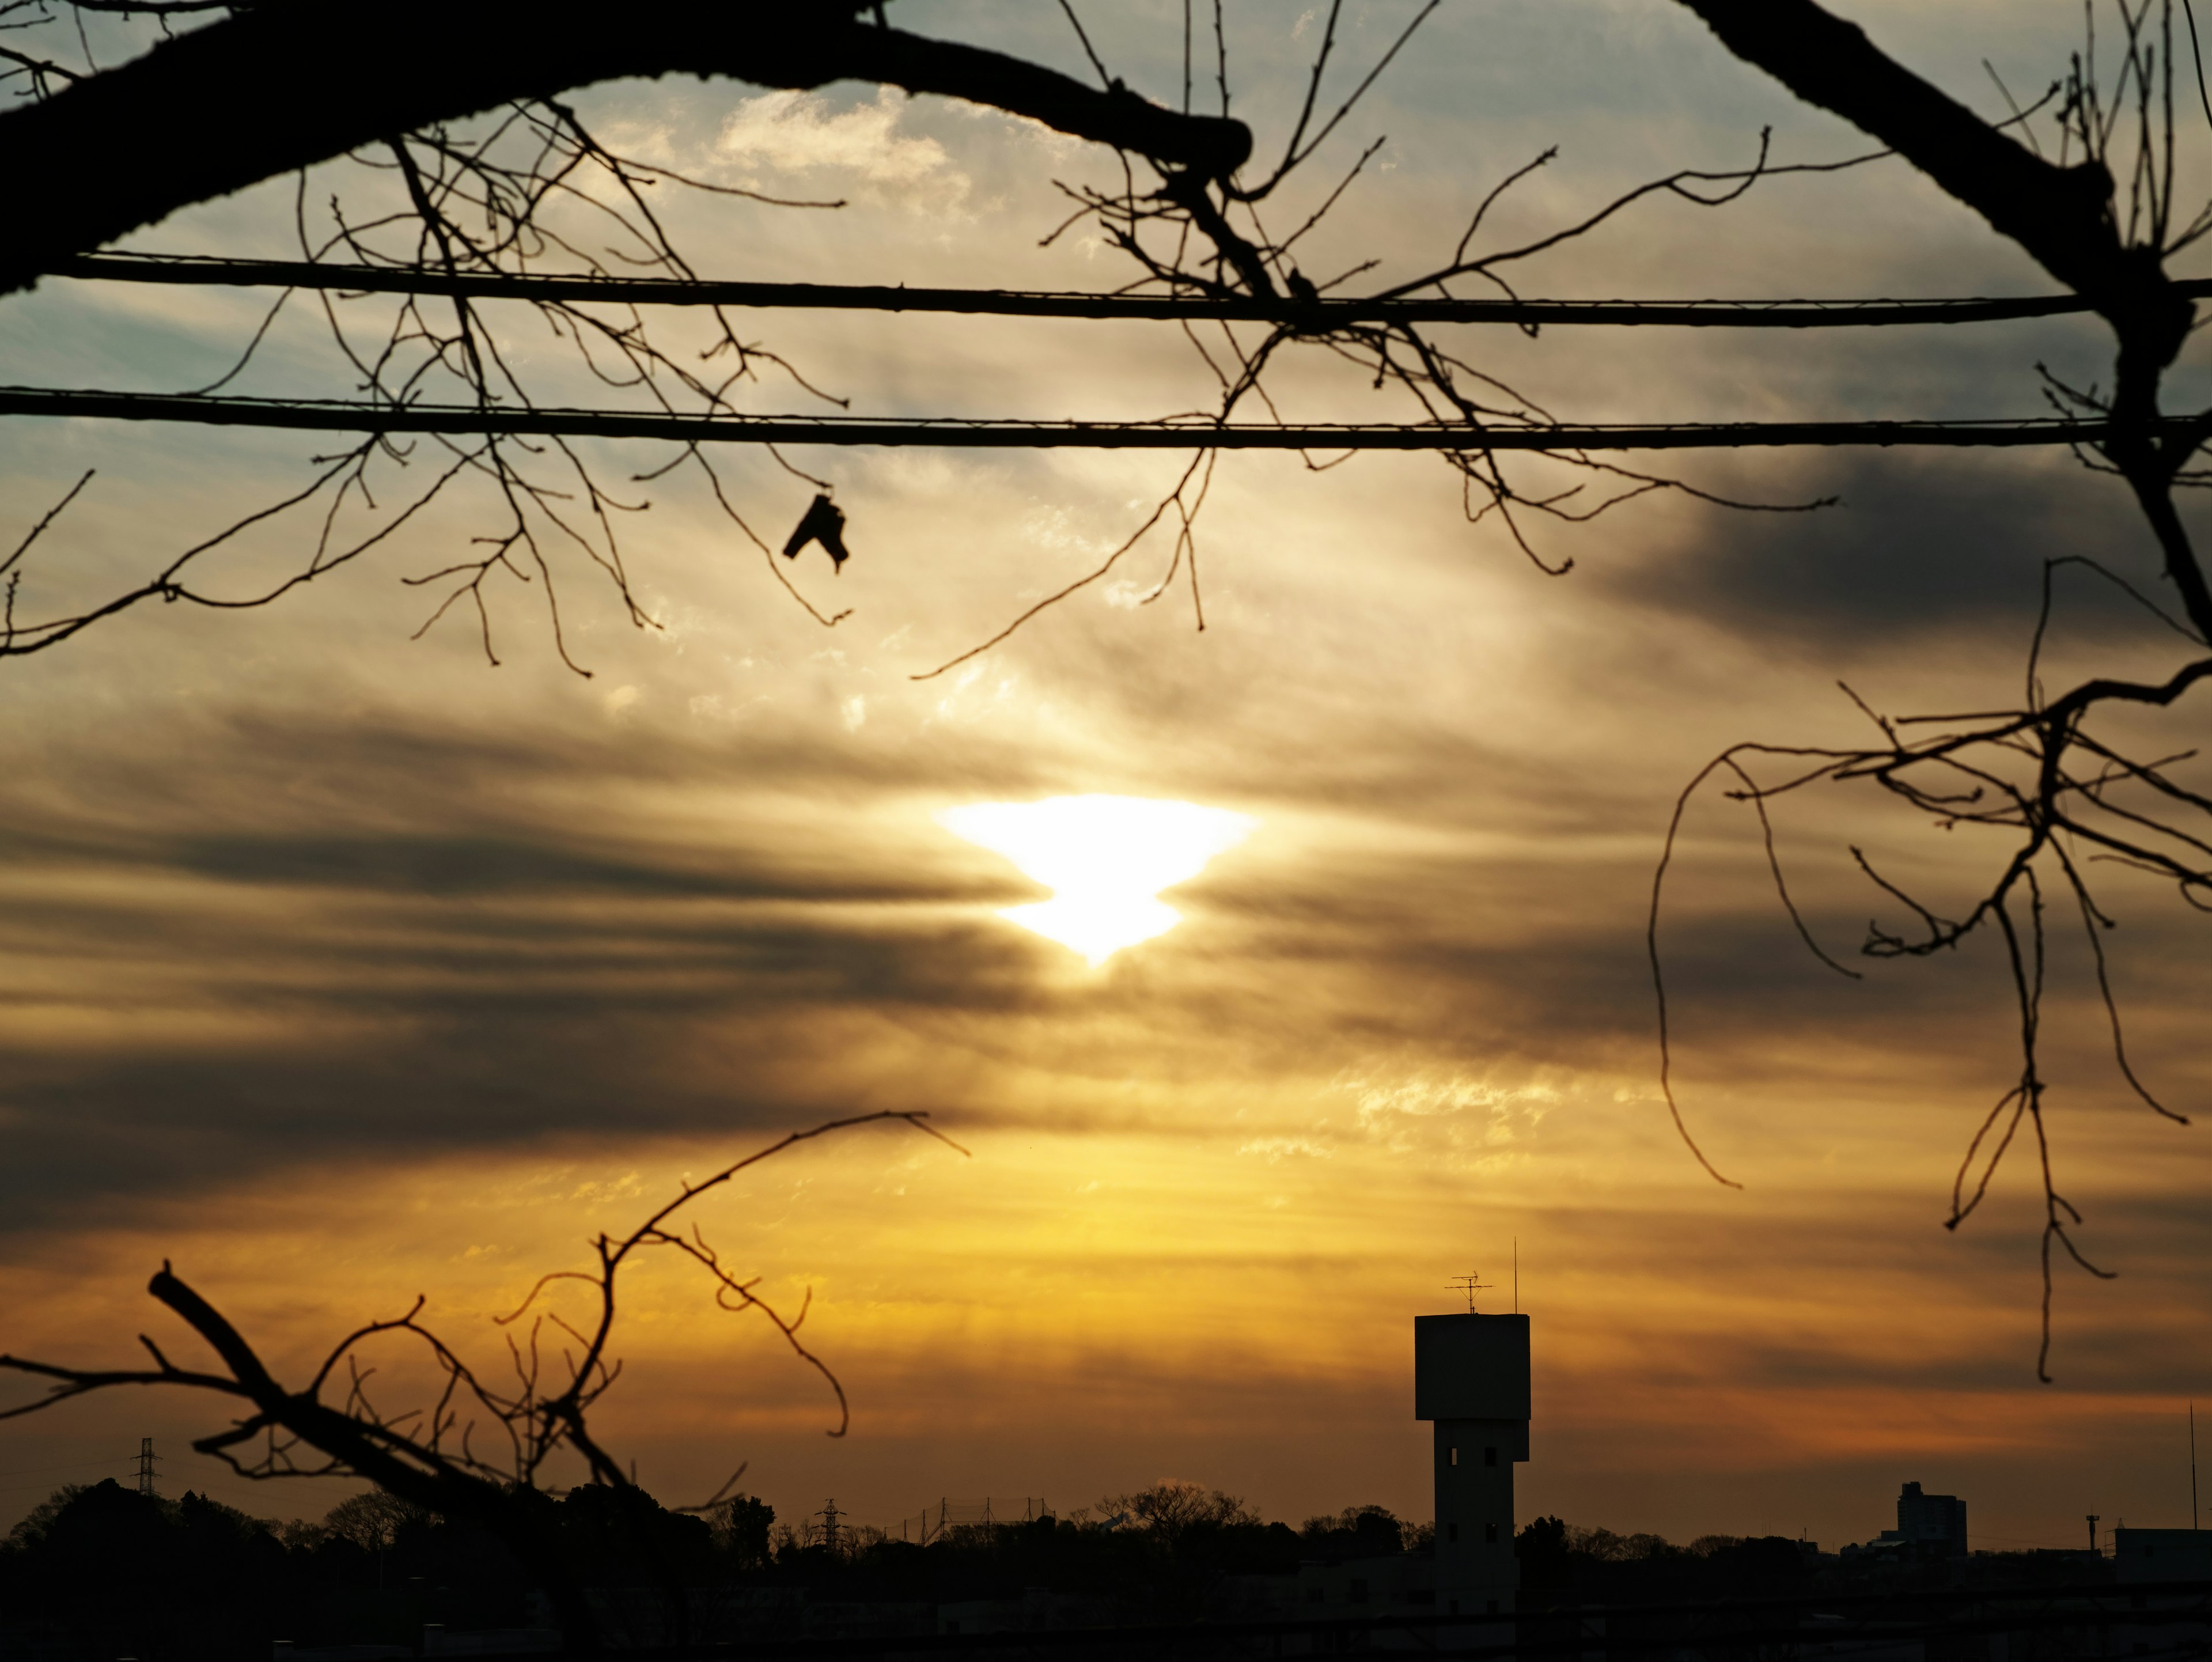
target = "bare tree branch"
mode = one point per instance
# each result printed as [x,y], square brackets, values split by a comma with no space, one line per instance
[86,173]
[427,1457]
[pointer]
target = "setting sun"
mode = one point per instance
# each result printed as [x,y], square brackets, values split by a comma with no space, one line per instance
[1105,859]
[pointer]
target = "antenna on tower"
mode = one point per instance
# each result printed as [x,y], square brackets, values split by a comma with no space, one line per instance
[1471,1285]
[146,1467]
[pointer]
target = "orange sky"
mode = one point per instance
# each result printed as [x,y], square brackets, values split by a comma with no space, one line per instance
[338,967]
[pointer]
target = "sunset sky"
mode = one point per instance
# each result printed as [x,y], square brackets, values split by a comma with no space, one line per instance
[337,966]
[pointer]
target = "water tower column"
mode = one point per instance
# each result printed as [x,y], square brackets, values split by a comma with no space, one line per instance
[1471,1379]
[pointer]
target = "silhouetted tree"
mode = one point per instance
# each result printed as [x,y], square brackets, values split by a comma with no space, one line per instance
[133,1573]
[1174,1506]
[372,1521]
[1541,1549]
[741,1525]
[1356,1532]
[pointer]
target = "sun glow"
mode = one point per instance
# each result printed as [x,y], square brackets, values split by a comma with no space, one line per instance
[1105,859]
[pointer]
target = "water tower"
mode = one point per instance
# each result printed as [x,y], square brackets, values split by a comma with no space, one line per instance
[1471,1379]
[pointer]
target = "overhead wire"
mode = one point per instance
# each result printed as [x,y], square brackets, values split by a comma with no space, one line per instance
[1324,312]
[1189,433]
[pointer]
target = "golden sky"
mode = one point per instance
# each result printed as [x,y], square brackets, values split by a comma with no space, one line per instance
[338,967]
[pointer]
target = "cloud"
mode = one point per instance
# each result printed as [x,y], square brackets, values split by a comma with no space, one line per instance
[805,134]
[297,940]
[1916,551]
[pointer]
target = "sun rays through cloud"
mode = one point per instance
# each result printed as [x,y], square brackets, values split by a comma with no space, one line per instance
[1105,859]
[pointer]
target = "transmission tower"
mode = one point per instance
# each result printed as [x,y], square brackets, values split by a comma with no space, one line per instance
[146,1467]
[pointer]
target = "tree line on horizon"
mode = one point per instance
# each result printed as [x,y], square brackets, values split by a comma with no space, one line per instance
[104,1570]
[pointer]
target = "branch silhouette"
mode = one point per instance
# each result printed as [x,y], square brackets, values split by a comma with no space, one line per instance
[427,1456]
[88,177]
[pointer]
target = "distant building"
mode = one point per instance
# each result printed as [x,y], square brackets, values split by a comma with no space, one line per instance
[1928,1525]
[1471,1379]
[2144,1558]
[1366,1587]
[1935,1522]
[2162,1554]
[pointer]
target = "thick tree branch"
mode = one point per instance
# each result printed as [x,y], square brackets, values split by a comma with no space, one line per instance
[223,1338]
[264,93]
[2061,216]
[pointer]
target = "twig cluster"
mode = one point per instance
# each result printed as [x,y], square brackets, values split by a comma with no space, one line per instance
[529,189]
[2068,799]
[2045,773]
[1199,239]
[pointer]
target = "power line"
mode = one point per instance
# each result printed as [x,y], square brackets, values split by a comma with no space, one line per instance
[137,1460]
[70,1465]
[1329,312]
[339,416]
